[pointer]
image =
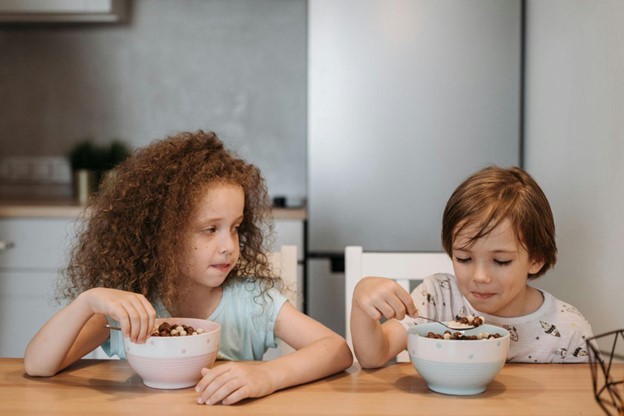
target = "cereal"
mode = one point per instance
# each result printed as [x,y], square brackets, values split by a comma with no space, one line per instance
[459,336]
[175,330]
[467,321]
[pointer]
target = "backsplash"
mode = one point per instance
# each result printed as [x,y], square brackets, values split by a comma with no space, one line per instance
[236,67]
[35,176]
[34,169]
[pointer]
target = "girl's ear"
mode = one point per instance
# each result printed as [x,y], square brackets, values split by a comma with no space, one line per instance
[536,266]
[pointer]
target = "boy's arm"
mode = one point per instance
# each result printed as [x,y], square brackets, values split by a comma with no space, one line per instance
[374,343]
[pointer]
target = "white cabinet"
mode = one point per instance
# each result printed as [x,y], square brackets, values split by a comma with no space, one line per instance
[35,251]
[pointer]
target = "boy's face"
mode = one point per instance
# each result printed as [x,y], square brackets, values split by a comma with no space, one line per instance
[492,273]
[214,246]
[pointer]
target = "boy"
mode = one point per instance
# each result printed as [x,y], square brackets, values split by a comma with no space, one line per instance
[499,231]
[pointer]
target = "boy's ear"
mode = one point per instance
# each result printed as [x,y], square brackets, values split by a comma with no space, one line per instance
[536,265]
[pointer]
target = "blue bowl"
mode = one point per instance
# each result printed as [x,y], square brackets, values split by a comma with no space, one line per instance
[457,367]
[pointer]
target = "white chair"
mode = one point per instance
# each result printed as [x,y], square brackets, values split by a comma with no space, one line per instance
[284,264]
[400,266]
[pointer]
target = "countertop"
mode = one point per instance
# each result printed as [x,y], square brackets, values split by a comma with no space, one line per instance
[70,208]
[110,387]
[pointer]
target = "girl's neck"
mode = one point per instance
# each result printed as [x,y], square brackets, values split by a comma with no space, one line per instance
[197,302]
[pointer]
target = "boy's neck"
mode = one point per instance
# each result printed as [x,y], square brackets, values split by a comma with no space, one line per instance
[534,300]
[531,300]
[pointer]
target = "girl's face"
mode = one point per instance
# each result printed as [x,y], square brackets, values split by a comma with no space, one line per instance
[492,273]
[214,247]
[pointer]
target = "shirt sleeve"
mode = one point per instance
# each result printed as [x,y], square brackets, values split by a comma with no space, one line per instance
[579,331]
[277,299]
[113,346]
[437,297]
[248,315]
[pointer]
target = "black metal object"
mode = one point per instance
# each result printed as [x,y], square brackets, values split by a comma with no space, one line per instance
[608,387]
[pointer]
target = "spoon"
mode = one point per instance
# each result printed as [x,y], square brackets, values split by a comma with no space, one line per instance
[453,325]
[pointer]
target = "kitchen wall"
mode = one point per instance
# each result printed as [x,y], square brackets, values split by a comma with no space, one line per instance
[236,67]
[575,147]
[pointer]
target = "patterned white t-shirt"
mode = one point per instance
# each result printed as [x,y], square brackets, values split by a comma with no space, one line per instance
[554,333]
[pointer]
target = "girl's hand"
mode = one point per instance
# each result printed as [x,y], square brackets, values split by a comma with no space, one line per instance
[378,296]
[135,314]
[233,381]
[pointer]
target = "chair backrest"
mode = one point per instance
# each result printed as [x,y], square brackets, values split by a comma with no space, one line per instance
[400,266]
[284,264]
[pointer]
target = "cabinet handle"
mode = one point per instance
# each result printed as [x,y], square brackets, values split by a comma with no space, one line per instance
[5,245]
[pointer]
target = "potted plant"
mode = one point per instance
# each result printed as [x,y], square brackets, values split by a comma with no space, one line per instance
[111,156]
[90,163]
[83,160]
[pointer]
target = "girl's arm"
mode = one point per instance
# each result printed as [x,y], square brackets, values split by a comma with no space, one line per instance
[320,352]
[374,343]
[79,328]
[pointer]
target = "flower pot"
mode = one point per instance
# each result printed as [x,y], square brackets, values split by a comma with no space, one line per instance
[85,183]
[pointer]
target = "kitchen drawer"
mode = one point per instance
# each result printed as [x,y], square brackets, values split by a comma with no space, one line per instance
[27,301]
[36,243]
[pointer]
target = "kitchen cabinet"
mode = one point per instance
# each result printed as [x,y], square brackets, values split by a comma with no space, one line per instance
[66,11]
[34,252]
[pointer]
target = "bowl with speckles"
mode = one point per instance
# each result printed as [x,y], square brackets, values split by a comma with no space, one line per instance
[175,362]
[457,366]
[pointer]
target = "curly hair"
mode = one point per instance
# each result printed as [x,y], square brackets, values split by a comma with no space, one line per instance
[494,194]
[136,224]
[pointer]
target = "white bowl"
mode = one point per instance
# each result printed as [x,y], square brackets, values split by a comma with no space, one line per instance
[458,367]
[174,362]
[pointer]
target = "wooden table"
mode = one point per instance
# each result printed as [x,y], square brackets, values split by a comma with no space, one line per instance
[110,387]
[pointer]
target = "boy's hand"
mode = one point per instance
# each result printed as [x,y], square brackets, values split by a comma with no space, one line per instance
[380,297]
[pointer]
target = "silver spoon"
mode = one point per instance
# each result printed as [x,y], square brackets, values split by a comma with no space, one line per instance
[453,325]
[113,327]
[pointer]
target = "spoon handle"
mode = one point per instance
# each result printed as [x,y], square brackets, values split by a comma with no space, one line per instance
[449,325]
[113,327]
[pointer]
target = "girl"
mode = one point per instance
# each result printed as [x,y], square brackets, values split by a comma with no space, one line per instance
[178,232]
[499,231]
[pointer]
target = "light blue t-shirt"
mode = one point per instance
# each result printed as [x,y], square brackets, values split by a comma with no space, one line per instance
[247,318]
